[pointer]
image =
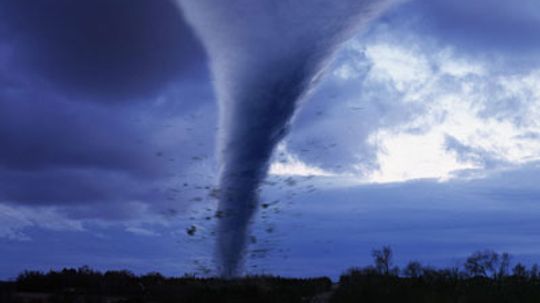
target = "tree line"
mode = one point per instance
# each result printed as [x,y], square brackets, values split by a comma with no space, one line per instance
[89,286]
[484,276]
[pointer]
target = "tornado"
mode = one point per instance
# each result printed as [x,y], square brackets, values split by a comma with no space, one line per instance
[265,56]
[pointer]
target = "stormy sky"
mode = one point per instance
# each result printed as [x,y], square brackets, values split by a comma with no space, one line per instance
[423,134]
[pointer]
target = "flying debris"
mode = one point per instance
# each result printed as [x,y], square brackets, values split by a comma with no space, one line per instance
[290,181]
[267,205]
[259,253]
[219,214]
[191,230]
[201,268]
[214,193]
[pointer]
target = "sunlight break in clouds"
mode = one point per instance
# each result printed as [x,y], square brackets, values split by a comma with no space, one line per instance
[460,102]
[470,115]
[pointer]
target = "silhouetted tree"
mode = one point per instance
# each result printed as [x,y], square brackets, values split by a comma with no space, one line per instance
[504,265]
[383,260]
[520,271]
[482,264]
[534,273]
[413,270]
[485,279]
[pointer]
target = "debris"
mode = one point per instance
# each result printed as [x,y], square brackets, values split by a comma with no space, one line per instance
[214,193]
[191,230]
[290,181]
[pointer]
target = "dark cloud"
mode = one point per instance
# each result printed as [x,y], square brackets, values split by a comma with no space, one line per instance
[38,135]
[67,187]
[61,152]
[106,50]
[58,152]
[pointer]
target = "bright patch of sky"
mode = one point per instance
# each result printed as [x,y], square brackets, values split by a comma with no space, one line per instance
[469,114]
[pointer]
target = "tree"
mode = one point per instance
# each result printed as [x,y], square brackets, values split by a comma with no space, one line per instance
[504,265]
[482,264]
[520,271]
[534,272]
[413,270]
[383,260]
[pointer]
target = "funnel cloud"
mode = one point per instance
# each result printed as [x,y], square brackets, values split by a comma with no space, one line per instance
[265,57]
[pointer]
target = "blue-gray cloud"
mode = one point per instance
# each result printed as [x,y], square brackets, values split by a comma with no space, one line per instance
[319,233]
[104,50]
[480,27]
[70,131]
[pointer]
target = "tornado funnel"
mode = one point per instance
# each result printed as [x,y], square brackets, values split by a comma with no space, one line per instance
[265,55]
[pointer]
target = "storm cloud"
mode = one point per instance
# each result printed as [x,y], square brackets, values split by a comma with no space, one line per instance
[99,104]
[106,50]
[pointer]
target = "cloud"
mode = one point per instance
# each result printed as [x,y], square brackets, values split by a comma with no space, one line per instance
[288,164]
[97,161]
[102,160]
[102,50]
[395,109]
[439,223]
[16,219]
[72,187]
[483,26]
[317,233]
[480,110]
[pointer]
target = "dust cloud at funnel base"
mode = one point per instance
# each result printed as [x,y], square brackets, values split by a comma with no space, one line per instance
[265,56]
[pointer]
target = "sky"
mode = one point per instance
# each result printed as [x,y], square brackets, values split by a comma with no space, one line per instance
[423,134]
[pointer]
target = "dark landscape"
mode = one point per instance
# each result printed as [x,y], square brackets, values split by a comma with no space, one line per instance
[485,276]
